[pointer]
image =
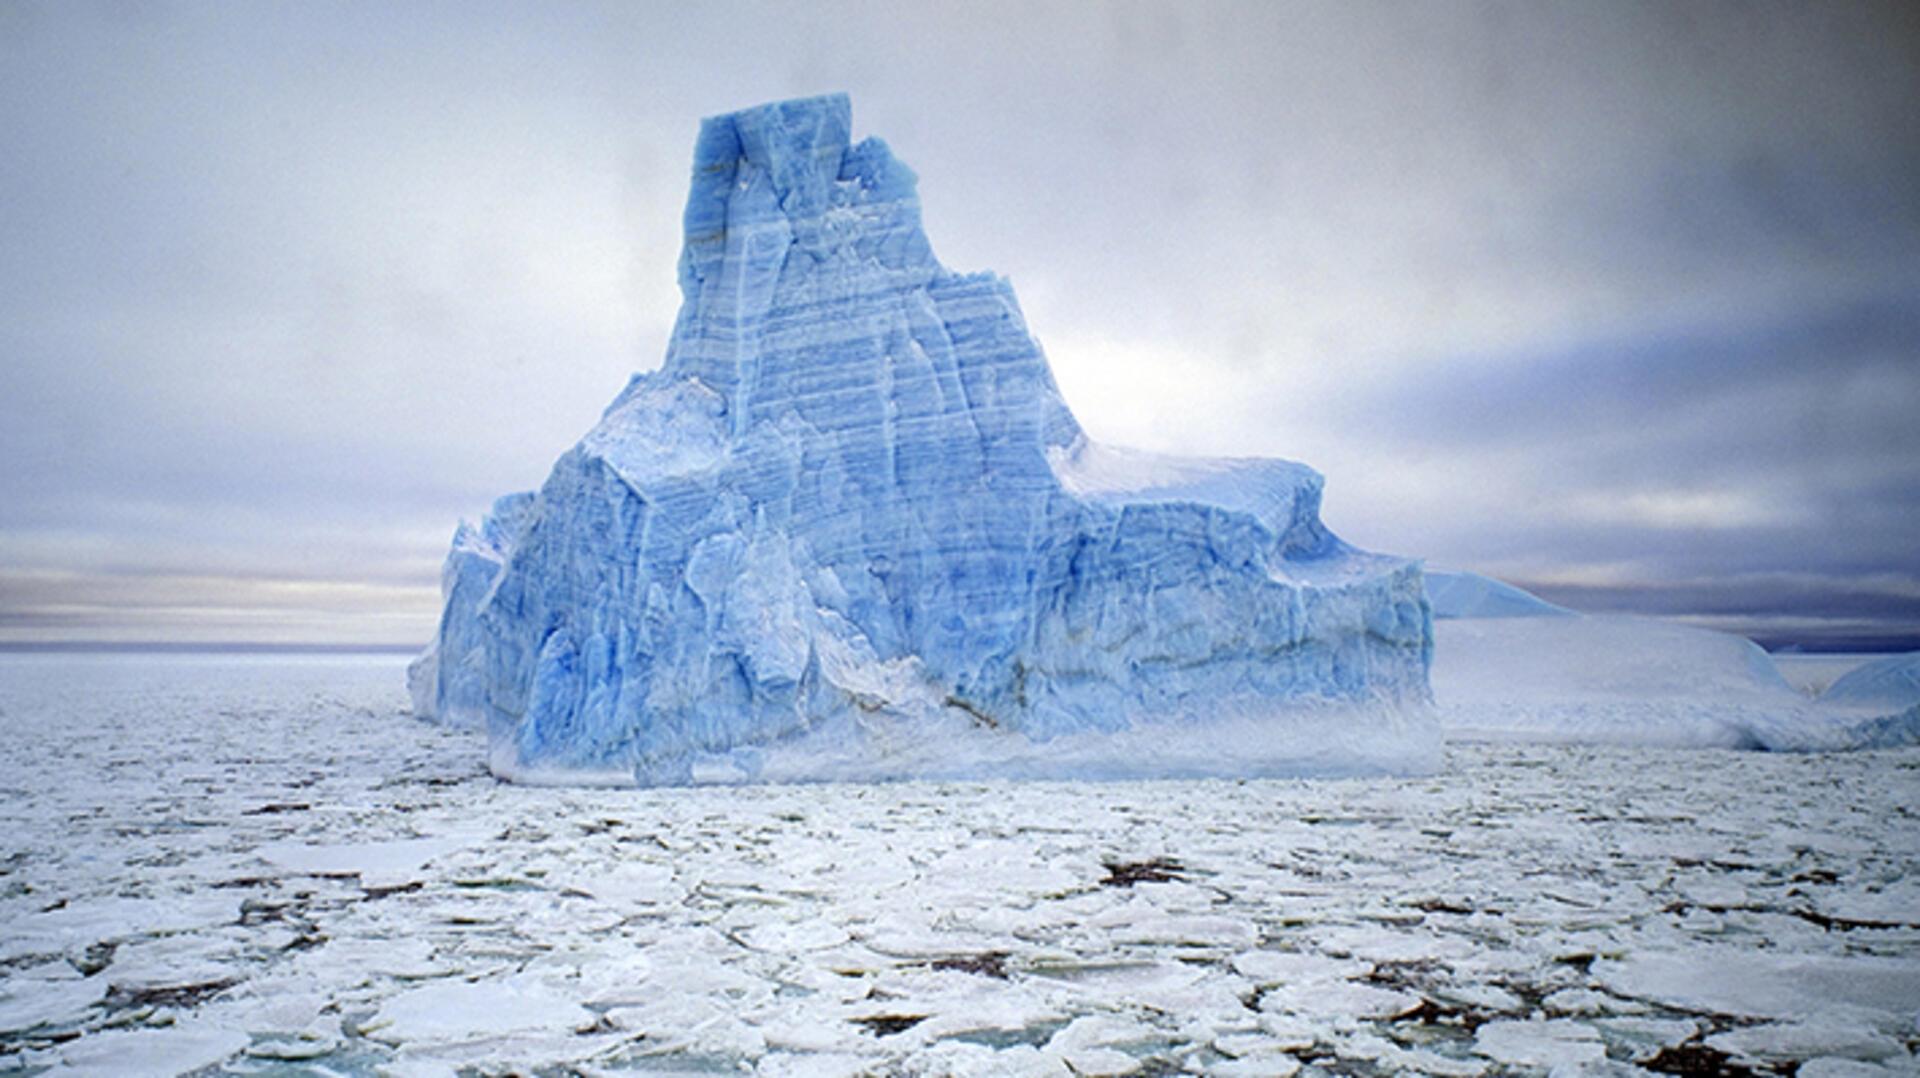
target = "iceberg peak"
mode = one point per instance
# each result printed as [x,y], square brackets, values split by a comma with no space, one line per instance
[851,530]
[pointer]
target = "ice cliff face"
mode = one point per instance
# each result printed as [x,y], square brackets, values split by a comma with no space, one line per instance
[851,530]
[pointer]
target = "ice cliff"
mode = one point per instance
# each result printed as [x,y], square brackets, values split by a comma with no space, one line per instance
[851,530]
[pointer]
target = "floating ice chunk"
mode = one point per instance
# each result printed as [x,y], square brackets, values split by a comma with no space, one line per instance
[692,1024]
[850,531]
[1783,1042]
[1895,903]
[292,1048]
[1556,1042]
[964,1059]
[167,1052]
[1395,1059]
[452,1012]
[86,921]
[376,864]
[1264,1065]
[1766,984]
[1661,1032]
[1241,1045]
[1291,1033]
[1278,967]
[174,961]
[1100,1061]
[1486,997]
[1834,1067]
[631,885]
[412,1065]
[1188,929]
[31,1002]
[1090,1044]
[1098,1031]
[1330,1000]
[789,938]
[1585,1001]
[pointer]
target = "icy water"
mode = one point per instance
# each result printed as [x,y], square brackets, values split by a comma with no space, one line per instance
[262,865]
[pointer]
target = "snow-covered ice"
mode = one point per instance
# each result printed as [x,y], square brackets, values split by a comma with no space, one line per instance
[1533,906]
[850,530]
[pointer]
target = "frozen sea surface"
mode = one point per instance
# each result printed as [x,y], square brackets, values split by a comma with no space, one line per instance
[262,865]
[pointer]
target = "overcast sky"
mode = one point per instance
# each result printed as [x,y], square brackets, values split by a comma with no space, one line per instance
[1617,301]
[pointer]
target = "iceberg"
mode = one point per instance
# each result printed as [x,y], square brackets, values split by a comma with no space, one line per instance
[1892,682]
[1509,666]
[1614,679]
[850,530]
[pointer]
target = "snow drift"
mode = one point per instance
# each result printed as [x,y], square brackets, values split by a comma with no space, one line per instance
[851,530]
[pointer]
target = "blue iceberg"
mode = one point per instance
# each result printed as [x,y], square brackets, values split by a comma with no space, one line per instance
[850,530]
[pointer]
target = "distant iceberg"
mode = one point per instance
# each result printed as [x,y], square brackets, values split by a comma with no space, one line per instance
[1892,682]
[1509,666]
[850,530]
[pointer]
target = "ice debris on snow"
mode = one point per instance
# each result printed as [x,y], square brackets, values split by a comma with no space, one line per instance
[851,530]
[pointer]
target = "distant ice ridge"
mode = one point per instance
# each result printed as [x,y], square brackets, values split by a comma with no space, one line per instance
[1509,666]
[1891,682]
[1457,594]
[851,530]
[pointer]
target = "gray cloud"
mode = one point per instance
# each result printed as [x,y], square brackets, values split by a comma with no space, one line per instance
[1592,295]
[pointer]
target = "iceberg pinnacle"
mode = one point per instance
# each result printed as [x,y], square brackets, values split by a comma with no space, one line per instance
[850,530]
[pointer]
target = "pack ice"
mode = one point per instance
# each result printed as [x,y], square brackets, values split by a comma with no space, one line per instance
[850,530]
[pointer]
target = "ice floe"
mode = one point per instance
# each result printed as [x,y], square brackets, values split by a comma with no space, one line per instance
[190,883]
